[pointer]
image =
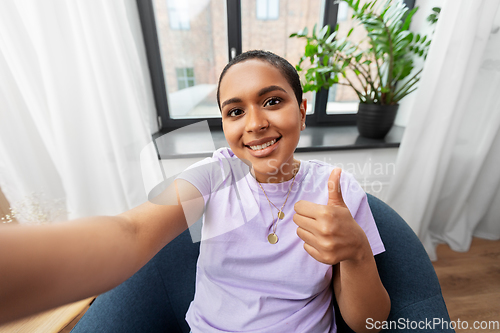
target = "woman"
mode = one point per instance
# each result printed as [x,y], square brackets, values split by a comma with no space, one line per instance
[273,227]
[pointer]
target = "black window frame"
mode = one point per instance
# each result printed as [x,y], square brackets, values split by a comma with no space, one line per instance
[233,7]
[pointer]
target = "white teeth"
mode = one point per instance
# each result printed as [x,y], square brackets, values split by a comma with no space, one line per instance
[259,147]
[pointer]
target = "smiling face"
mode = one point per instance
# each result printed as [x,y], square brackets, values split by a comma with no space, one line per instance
[261,119]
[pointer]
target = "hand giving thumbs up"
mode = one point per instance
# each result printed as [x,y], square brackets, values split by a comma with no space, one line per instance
[329,232]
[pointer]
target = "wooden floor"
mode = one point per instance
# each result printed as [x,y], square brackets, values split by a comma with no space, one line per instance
[58,320]
[470,282]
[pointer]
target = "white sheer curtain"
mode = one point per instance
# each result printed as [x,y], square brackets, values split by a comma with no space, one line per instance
[447,183]
[76,106]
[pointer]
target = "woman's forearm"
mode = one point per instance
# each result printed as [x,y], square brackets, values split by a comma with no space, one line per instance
[45,266]
[360,293]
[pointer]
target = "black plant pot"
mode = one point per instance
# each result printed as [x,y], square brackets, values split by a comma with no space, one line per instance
[374,121]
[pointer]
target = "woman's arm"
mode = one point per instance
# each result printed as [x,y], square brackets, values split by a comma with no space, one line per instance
[332,236]
[359,292]
[46,266]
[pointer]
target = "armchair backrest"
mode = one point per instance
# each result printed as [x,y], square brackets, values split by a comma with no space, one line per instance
[407,274]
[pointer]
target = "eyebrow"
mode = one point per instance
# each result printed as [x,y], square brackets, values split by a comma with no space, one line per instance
[261,92]
[230,101]
[266,90]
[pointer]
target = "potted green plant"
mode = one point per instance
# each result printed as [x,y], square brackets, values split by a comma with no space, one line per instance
[379,68]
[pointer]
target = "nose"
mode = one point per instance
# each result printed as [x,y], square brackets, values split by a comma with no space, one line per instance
[256,120]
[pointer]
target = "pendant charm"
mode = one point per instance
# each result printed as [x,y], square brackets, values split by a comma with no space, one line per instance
[272,238]
[281,215]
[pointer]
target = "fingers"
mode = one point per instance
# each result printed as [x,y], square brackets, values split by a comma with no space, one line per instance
[306,236]
[319,242]
[307,230]
[325,228]
[306,222]
[334,191]
[321,248]
[313,252]
[307,208]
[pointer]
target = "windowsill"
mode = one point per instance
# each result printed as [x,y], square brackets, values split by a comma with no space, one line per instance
[313,139]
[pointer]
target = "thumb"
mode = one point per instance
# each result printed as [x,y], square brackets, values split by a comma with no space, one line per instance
[334,191]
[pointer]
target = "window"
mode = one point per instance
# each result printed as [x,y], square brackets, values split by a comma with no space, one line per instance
[178,14]
[185,64]
[343,99]
[188,43]
[256,35]
[342,14]
[185,77]
[267,9]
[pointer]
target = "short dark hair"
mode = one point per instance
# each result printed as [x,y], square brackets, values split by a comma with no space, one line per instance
[286,69]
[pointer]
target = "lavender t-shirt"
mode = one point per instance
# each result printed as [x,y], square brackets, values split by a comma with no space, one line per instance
[246,284]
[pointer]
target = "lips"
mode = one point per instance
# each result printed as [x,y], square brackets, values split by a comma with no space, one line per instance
[262,142]
[263,147]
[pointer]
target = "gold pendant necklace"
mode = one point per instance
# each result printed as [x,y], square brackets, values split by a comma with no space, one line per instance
[273,237]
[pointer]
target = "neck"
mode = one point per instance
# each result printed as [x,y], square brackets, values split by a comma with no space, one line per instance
[285,173]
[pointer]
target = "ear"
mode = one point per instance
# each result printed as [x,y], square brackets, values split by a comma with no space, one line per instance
[303,110]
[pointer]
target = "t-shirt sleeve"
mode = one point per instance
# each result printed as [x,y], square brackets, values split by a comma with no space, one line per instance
[356,200]
[200,176]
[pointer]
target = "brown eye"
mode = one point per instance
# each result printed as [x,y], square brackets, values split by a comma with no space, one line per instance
[234,112]
[272,101]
